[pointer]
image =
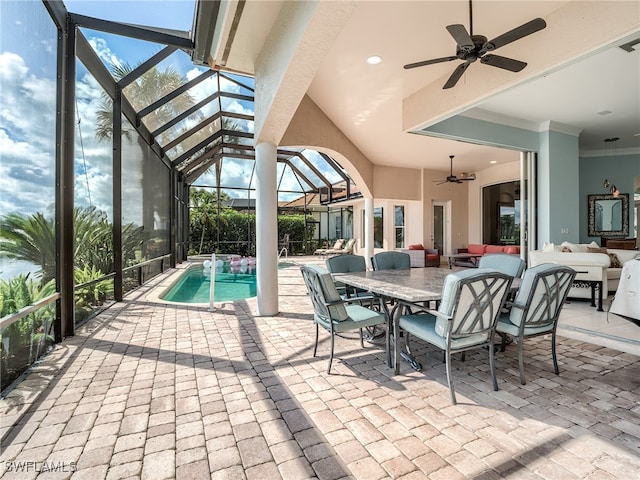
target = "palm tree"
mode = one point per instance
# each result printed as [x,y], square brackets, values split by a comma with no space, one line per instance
[207,204]
[149,87]
[33,238]
[30,238]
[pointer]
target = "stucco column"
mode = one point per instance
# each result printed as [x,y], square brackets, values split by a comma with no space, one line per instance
[266,229]
[368,230]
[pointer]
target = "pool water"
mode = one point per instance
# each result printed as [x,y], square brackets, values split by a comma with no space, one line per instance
[193,286]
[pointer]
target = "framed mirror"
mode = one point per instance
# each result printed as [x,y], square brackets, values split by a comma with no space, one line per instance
[609,215]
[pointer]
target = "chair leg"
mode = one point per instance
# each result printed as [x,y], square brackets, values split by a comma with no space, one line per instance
[521,361]
[503,343]
[553,353]
[315,348]
[361,340]
[330,354]
[492,366]
[449,381]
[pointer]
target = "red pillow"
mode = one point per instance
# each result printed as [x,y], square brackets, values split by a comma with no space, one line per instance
[494,249]
[476,249]
[512,249]
[417,246]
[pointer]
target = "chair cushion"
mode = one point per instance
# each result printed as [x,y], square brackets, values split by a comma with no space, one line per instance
[433,256]
[359,317]
[517,315]
[476,249]
[424,326]
[338,312]
[417,246]
[505,326]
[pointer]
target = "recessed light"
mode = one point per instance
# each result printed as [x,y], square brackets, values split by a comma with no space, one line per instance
[374,60]
[493,161]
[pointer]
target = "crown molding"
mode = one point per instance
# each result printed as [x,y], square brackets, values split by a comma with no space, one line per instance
[607,153]
[550,125]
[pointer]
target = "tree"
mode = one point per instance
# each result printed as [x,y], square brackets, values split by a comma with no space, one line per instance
[205,205]
[33,238]
[146,89]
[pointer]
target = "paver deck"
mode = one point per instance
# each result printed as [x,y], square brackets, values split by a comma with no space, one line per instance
[156,391]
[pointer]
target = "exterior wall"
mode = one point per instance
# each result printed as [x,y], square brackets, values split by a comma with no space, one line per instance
[413,222]
[458,195]
[397,183]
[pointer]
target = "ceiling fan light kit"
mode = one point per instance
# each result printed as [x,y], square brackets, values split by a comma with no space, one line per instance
[472,47]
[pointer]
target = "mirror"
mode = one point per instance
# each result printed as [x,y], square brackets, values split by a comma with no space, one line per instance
[609,215]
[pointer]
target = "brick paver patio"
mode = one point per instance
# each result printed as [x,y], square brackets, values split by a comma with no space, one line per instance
[154,391]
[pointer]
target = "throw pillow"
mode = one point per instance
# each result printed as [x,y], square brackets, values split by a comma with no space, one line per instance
[615,261]
[575,247]
[566,249]
[596,249]
[548,247]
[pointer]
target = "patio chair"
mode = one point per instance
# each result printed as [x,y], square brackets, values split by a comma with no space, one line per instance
[503,262]
[466,319]
[336,246]
[345,250]
[391,261]
[536,308]
[345,264]
[332,312]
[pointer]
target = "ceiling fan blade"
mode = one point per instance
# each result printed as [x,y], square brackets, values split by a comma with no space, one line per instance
[429,62]
[461,36]
[503,62]
[517,33]
[455,76]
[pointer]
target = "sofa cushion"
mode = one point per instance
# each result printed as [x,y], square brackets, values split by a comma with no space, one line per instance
[512,249]
[417,246]
[494,249]
[596,250]
[476,249]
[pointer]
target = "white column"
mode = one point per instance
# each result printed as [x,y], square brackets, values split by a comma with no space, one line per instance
[368,230]
[266,229]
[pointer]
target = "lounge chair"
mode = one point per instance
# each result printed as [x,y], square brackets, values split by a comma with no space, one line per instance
[336,246]
[345,250]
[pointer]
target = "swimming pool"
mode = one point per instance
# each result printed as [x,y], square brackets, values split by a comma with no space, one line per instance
[193,286]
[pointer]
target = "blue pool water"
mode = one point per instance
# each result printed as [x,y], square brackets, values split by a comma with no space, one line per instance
[193,286]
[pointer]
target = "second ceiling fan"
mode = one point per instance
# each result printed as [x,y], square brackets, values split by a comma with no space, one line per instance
[472,47]
[452,178]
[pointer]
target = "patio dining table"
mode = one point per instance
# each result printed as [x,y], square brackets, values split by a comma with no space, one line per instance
[404,287]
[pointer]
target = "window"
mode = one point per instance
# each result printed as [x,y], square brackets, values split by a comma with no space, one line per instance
[501,214]
[378,230]
[399,225]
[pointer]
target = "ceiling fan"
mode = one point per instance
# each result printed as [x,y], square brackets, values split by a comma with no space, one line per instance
[452,178]
[472,47]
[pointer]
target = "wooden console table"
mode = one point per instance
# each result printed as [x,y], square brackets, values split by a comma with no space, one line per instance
[621,243]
